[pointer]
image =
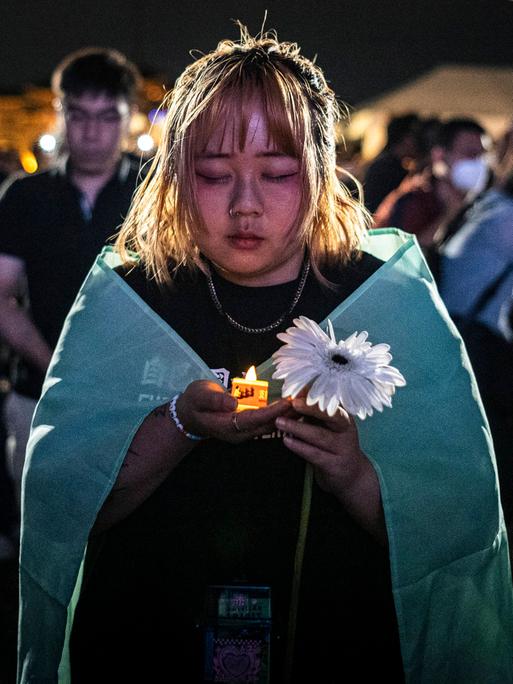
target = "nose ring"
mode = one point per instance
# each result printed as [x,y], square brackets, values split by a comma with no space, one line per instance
[232,213]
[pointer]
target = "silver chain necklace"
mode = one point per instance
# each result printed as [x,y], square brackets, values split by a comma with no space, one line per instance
[271,326]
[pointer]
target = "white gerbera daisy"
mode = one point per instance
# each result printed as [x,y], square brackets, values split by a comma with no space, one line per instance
[351,373]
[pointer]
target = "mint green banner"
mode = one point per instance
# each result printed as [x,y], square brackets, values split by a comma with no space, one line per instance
[116,361]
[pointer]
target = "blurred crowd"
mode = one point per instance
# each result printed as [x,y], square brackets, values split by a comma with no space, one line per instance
[449,183]
[445,181]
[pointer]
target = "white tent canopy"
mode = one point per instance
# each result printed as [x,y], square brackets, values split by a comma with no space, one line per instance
[481,92]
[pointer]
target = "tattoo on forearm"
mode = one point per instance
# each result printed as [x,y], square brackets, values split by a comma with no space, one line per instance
[134,452]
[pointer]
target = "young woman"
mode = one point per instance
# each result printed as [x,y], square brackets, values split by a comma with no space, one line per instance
[240,227]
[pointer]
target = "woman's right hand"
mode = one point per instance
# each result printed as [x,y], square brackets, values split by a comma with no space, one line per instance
[207,410]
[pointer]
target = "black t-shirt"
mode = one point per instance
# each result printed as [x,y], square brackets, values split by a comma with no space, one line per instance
[43,223]
[230,513]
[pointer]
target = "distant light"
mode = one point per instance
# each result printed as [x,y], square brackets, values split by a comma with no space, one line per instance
[157,116]
[145,142]
[28,161]
[47,142]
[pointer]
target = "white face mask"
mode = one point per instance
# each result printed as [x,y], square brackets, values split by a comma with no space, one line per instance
[470,175]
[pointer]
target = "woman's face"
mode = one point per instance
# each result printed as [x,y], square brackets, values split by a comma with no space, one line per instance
[249,201]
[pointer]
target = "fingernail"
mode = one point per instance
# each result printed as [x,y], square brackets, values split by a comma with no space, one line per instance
[280,422]
[230,403]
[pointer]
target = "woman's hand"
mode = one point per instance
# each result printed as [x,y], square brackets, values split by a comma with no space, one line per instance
[332,446]
[158,447]
[206,409]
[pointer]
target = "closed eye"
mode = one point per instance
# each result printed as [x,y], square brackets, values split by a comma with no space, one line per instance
[213,179]
[279,178]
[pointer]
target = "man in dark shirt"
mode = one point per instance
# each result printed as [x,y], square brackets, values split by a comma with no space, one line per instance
[53,224]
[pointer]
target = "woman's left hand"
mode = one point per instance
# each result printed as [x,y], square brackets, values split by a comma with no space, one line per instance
[332,446]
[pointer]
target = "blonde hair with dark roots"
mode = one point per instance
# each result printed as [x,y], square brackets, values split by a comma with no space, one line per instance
[301,109]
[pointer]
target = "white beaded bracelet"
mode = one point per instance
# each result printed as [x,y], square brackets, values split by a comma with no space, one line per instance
[176,420]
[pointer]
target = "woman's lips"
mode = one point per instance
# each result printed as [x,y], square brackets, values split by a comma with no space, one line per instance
[245,241]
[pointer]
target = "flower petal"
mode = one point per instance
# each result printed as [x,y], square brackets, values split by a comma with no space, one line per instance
[311,358]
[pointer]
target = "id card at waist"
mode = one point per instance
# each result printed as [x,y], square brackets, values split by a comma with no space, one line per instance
[237,634]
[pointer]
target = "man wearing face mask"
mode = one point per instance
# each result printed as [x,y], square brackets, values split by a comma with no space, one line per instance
[458,173]
[482,249]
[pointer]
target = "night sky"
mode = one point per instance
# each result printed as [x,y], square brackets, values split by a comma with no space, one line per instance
[364,46]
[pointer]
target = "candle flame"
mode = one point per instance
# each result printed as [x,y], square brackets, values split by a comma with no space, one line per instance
[251,374]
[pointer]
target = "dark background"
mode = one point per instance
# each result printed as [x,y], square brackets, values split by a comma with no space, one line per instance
[365,46]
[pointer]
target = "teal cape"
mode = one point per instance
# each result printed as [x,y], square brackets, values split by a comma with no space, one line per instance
[116,360]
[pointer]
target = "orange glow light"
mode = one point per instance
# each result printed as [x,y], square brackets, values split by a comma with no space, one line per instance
[251,374]
[250,392]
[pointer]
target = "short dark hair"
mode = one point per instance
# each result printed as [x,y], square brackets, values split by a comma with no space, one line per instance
[453,127]
[401,126]
[97,70]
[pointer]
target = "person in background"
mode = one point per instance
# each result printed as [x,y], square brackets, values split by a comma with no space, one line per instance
[392,165]
[53,224]
[483,246]
[426,202]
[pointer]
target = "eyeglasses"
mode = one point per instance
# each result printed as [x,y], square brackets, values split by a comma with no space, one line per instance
[80,117]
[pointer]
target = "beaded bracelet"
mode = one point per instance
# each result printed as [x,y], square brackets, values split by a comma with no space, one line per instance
[176,420]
